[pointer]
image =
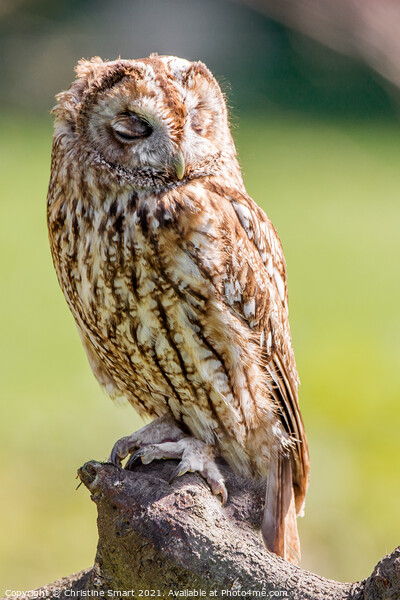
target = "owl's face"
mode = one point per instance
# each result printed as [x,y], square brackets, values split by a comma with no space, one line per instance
[160,114]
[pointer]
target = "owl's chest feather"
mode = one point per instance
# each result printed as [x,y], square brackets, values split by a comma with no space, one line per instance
[135,279]
[120,262]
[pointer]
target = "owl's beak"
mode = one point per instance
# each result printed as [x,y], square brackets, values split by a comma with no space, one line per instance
[179,165]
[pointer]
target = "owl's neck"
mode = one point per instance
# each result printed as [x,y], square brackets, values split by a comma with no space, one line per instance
[148,179]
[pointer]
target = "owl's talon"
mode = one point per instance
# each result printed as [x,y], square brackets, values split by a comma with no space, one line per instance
[120,450]
[144,454]
[136,455]
[180,470]
[218,488]
[215,480]
[132,462]
[114,458]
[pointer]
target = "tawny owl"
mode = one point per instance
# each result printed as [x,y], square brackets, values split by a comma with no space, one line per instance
[176,278]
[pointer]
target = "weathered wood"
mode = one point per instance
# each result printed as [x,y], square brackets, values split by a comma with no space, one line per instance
[162,540]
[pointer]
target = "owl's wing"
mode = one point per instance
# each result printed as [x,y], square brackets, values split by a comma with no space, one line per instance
[263,305]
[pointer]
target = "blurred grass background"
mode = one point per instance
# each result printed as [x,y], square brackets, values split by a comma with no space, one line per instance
[326,170]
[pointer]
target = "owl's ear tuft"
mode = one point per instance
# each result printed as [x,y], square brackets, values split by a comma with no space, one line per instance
[89,69]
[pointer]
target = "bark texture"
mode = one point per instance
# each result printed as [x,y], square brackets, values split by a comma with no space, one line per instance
[162,540]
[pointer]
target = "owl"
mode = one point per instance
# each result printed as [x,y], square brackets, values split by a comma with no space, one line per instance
[177,280]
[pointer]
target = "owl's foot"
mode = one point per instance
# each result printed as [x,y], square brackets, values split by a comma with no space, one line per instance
[195,456]
[162,429]
[163,439]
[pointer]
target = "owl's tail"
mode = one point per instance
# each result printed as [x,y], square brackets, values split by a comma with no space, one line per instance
[279,525]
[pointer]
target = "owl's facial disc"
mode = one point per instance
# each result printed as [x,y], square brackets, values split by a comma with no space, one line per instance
[158,116]
[128,127]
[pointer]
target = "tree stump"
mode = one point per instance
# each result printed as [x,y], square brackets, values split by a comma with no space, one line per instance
[162,540]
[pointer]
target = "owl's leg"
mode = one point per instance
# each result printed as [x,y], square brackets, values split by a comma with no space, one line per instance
[163,439]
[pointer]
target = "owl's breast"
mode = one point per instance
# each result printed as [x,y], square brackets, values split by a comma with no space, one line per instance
[140,277]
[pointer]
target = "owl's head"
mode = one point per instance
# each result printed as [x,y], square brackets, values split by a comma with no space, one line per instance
[162,115]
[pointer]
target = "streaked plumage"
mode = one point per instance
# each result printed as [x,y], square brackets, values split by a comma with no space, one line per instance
[175,277]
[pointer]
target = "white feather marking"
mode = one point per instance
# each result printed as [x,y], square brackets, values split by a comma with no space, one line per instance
[265,231]
[270,266]
[203,353]
[244,217]
[162,345]
[213,365]
[186,265]
[143,334]
[232,294]
[279,284]
[269,342]
[258,240]
[178,338]
[249,308]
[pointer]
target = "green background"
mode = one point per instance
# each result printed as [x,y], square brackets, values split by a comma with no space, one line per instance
[325,168]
